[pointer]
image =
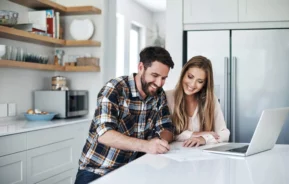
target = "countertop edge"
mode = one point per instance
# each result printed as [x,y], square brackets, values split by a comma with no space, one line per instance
[38,126]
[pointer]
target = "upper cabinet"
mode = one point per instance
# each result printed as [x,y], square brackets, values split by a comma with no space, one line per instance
[234,11]
[263,10]
[210,11]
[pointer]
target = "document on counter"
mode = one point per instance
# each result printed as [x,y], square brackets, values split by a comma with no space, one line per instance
[189,154]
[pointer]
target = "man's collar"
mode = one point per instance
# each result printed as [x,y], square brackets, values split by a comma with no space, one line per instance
[132,84]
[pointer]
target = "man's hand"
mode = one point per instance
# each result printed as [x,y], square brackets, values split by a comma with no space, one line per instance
[198,134]
[194,141]
[157,146]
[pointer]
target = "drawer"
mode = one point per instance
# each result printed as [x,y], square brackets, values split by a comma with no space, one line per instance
[48,136]
[12,143]
[13,168]
[50,160]
[66,177]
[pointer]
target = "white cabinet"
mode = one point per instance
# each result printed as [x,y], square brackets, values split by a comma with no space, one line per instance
[234,11]
[44,156]
[50,160]
[12,143]
[263,10]
[55,151]
[51,135]
[66,177]
[210,11]
[13,168]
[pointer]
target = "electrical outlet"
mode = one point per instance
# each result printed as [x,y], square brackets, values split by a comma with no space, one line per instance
[12,109]
[3,110]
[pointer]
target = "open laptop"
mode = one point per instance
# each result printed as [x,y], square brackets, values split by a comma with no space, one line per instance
[264,137]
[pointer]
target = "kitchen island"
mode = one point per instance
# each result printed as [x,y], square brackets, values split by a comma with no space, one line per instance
[192,165]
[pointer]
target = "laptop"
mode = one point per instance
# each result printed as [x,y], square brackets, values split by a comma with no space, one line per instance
[264,138]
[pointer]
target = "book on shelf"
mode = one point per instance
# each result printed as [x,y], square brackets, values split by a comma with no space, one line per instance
[50,22]
[57,25]
[47,21]
[38,19]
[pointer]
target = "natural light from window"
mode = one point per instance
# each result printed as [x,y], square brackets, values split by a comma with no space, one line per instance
[134,48]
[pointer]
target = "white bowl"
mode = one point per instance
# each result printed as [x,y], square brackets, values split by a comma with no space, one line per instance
[2,50]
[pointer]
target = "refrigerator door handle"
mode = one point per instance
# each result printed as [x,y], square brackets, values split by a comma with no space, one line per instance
[233,99]
[226,105]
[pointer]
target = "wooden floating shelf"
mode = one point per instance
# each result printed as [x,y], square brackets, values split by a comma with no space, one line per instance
[82,68]
[19,35]
[36,66]
[48,4]
[28,65]
[75,43]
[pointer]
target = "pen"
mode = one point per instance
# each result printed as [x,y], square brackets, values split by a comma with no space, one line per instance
[159,136]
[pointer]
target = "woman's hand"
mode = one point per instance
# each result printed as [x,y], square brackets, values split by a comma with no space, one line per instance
[194,141]
[198,134]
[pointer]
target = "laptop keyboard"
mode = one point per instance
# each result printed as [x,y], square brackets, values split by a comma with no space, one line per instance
[239,150]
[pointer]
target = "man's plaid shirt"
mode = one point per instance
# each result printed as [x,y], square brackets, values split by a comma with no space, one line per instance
[120,107]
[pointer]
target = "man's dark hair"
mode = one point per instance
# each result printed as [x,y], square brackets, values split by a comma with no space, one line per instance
[150,54]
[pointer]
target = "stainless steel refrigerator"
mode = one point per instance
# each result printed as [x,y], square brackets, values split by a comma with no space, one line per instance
[251,73]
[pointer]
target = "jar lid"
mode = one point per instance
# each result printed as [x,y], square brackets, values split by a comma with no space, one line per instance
[59,78]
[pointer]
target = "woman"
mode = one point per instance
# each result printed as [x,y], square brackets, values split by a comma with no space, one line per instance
[196,112]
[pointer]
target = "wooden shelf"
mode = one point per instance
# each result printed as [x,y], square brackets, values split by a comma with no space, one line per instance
[82,68]
[15,34]
[36,66]
[27,65]
[48,4]
[76,43]
[19,35]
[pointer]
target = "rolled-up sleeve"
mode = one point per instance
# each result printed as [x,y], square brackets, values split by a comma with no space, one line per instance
[184,135]
[106,113]
[219,127]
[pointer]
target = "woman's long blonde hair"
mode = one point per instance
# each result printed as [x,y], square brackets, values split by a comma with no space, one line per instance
[205,98]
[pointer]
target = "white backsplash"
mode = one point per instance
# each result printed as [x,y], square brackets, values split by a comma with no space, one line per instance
[17,86]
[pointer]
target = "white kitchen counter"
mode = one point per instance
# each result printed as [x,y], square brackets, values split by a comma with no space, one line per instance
[270,167]
[19,126]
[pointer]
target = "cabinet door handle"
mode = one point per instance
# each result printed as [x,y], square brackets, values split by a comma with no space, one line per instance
[233,99]
[226,78]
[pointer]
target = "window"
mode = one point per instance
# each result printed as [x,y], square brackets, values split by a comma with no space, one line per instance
[120,45]
[134,48]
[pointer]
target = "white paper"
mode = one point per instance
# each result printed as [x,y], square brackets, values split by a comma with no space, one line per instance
[192,154]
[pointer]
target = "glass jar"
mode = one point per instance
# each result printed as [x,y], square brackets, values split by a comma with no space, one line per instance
[58,83]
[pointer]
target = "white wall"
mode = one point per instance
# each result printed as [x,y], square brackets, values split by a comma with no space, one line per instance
[159,19]
[91,81]
[16,85]
[16,82]
[134,13]
[105,31]
[174,40]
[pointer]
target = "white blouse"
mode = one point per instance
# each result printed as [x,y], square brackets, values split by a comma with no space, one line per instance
[194,124]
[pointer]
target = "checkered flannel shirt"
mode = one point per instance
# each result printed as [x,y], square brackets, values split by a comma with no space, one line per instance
[120,107]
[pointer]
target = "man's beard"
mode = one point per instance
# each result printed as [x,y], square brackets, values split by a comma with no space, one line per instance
[145,87]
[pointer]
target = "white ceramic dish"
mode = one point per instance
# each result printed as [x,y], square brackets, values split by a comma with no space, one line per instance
[81,29]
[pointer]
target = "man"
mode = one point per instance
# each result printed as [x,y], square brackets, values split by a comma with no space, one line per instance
[132,116]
